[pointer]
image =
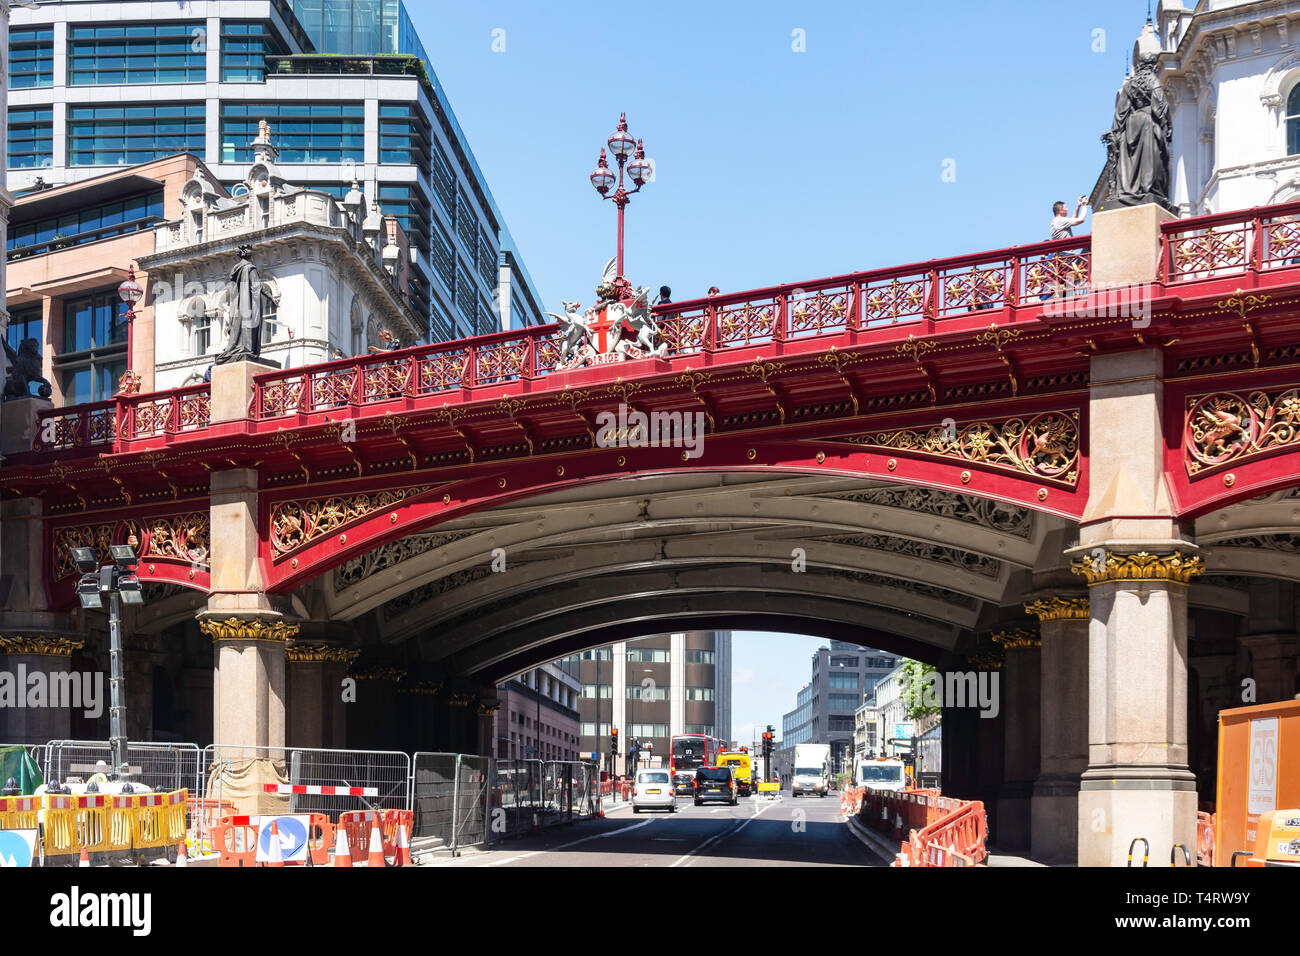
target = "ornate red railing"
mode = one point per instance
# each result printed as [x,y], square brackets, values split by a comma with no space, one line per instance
[1241,242]
[920,294]
[123,418]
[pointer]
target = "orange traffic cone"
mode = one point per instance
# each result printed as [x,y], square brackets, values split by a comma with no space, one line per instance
[180,854]
[403,857]
[375,857]
[275,853]
[85,858]
[342,855]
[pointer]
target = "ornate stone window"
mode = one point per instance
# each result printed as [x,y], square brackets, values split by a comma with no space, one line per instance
[1293,121]
[270,309]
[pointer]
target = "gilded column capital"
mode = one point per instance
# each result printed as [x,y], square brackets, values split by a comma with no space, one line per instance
[391,674]
[987,658]
[1173,568]
[42,645]
[1060,609]
[1017,637]
[425,688]
[316,653]
[248,629]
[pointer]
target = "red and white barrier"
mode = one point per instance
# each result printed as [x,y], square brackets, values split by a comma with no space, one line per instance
[321,791]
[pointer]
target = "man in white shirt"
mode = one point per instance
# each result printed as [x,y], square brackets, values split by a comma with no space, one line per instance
[1063,225]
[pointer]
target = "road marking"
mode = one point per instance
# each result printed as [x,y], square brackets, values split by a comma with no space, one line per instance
[719,837]
[565,846]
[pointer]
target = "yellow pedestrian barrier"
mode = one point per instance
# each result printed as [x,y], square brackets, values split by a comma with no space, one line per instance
[61,834]
[159,819]
[19,813]
[104,822]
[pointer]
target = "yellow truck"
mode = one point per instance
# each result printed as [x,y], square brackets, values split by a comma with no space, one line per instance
[743,769]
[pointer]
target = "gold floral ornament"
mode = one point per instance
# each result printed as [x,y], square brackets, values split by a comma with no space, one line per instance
[1016,637]
[316,653]
[248,629]
[1225,426]
[183,537]
[1060,609]
[295,524]
[1046,446]
[40,645]
[894,300]
[97,537]
[1176,568]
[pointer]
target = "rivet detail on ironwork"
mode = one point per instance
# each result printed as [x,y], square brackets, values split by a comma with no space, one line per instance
[446,499]
[343,539]
[751,454]
[891,464]
[1042,494]
[965,477]
[151,569]
[392,517]
[501,482]
[191,574]
[1229,480]
[821,457]
[559,471]
[622,460]
[294,564]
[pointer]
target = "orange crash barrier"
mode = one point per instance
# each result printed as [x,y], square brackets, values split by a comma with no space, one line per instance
[1258,774]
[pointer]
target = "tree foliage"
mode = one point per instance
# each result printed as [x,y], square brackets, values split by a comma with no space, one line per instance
[913,680]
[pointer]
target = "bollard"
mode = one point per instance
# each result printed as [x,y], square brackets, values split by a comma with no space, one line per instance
[1146,850]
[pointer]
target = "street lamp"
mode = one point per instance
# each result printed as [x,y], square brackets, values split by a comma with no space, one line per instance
[117,580]
[621,146]
[130,293]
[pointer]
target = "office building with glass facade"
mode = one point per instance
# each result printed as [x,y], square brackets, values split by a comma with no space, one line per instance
[345,85]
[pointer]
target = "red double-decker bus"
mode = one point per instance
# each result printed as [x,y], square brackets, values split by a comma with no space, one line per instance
[688,752]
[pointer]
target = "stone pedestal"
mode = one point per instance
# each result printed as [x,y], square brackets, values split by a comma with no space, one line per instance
[1020,711]
[1063,734]
[18,423]
[232,389]
[1138,783]
[1126,245]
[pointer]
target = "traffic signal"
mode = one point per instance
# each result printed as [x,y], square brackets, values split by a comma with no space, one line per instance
[613,741]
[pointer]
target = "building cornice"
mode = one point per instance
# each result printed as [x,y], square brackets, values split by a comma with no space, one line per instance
[297,231]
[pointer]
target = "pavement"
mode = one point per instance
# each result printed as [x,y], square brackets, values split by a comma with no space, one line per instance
[757,832]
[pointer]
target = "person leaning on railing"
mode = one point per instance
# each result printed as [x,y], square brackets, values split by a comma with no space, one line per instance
[387,343]
[1062,227]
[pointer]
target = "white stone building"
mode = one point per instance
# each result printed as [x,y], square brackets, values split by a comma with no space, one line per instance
[333,273]
[1231,71]
[890,710]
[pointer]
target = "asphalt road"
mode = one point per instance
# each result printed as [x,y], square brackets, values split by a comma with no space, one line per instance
[782,832]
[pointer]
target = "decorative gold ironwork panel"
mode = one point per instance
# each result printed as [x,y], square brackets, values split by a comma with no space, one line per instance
[1236,426]
[1045,446]
[295,524]
[183,537]
[96,536]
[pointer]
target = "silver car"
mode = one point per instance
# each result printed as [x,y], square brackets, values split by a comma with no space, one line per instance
[653,790]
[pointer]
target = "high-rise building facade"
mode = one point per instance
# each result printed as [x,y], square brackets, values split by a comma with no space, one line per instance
[842,674]
[652,689]
[345,86]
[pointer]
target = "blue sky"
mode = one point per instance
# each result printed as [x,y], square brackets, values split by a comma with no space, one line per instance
[780,166]
[774,165]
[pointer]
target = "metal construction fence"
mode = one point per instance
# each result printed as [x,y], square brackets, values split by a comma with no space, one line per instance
[160,766]
[459,800]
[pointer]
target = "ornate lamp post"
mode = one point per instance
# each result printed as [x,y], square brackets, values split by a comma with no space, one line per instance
[621,145]
[130,293]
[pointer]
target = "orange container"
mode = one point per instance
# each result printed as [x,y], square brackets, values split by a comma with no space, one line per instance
[1259,771]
